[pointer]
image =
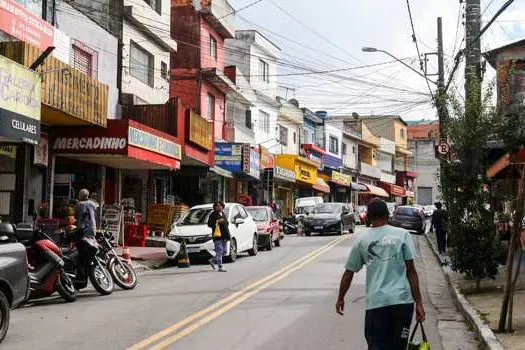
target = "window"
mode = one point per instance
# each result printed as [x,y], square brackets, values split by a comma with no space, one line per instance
[235,213]
[294,138]
[213,47]
[353,149]
[264,69]
[155,4]
[402,132]
[343,149]
[141,64]
[264,122]
[82,60]
[248,119]
[164,70]
[283,135]
[211,106]
[334,145]
[243,212]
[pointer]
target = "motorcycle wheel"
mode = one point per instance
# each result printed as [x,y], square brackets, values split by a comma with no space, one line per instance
[101,279]
[4,316]
[66,288]
[123,274]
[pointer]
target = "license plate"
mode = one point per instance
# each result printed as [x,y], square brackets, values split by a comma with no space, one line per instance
[194,249]
[318,227]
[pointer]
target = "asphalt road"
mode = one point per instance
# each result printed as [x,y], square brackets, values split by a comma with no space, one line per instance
[283,299]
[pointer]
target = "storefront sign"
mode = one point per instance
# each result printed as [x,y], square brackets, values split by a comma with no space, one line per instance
[332,162]
[283,174]
[200,131]
[145,140]
[341,179]
[305,172]
[255,164]
[24,25]
[229,156]
[267,159]
[41,152]
[20,93]
[91,144]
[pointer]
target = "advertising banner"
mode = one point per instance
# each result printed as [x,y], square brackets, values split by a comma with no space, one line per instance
[20,102]
[267,159]
[229,156]
[255,164]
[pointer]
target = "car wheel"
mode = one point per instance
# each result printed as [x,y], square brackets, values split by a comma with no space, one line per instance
[352,227]
[341,230]
[255,247]
[233,252]
[269,245]
[4,316]
[278,241]
[307,233]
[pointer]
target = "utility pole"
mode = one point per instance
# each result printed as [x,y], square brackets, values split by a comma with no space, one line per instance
[441,101]
[473,52]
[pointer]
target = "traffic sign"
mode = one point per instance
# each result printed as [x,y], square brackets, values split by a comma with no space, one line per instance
[443,149]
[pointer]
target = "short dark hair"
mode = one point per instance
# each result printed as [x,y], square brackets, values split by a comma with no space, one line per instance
[377,209]
[438,205]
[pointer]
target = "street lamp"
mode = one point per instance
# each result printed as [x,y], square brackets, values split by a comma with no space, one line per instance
[373,49]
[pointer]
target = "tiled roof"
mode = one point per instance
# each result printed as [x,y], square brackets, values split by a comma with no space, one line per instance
[423,132]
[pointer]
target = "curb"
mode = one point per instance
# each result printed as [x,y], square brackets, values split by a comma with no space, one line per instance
[483,331]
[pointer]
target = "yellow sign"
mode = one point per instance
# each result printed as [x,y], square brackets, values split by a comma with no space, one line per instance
[305,172]
[20,89]
[341,179]
[200,131]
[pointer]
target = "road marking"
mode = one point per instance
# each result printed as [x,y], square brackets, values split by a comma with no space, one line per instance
[232,300]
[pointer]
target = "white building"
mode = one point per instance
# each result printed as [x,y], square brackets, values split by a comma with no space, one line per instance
[385,160]
[256,57]
[290,125]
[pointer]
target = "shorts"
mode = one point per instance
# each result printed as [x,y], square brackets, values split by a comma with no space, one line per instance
[388,328]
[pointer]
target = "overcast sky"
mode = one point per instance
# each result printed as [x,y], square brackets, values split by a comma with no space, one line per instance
[329,35]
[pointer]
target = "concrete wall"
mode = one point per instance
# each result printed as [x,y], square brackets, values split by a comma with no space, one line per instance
[80,27]
[268,139]
[426,166]
[350,160]
[331,130]
[292,146]
[208,61]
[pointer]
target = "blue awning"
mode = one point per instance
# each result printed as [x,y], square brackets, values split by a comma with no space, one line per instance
[358,187]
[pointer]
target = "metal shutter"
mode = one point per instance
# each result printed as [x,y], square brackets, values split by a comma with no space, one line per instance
[82,61]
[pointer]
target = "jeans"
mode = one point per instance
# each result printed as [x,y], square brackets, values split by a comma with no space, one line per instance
[220,250]
[441,236]
[388,328]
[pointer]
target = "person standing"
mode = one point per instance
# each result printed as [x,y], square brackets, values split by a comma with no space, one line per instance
[86,229]
[439,225]
[218,219]
[392,283]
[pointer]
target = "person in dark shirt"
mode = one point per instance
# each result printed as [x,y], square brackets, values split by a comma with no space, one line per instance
[218,217]
[439,224]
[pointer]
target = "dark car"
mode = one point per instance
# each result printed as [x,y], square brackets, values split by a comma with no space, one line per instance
[330,218]
[268,231]
[409,218]
[14,278]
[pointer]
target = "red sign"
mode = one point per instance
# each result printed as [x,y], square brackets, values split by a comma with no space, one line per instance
[267,159]
[24,25]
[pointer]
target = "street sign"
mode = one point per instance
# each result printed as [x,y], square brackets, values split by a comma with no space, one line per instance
[443,149]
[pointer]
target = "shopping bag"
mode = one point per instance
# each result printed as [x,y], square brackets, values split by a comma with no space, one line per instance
[217,231]
[418,345]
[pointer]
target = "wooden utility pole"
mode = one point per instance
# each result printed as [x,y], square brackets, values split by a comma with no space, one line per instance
[441,100]
[473,52]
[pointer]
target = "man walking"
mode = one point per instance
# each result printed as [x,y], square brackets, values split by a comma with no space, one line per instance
[392,284]
[439,224]
[218,220]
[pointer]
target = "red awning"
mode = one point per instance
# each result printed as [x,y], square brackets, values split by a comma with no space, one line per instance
[394,190]
[374,191]
[322,186]
[309,146]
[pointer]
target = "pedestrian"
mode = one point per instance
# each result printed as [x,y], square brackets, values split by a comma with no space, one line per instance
[86,229]
[439,225]
[220,233]
[392,284]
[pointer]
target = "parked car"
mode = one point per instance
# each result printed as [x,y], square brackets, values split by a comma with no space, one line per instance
[362,211]
[268,231]
[193,228]
[429,210]
[410,218]
[330,217]
[14,278]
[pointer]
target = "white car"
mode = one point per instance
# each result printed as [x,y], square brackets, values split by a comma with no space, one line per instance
[429,210]
[193,228]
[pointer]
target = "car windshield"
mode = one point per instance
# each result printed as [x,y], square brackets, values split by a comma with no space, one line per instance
[326,208]
[197,216]
[258,214]
[305,210]
[406,211]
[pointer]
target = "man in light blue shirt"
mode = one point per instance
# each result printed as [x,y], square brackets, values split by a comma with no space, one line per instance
[392,284]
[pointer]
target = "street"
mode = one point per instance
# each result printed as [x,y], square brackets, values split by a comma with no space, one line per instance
[283,299]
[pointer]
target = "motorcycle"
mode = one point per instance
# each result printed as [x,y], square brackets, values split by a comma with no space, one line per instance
[289,226]
[46,268]
[95,268]
[121,271]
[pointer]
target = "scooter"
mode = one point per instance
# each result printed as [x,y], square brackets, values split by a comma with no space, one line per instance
[46,268]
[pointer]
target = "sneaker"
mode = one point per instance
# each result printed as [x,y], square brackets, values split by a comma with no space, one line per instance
[213,266]
[222,269]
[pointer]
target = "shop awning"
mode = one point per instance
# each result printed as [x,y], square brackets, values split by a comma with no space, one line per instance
[375,191]
[394,190]
[322,186]
[358,187]
[222,172]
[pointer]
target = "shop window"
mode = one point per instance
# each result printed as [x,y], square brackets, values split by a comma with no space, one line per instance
[164,70]
[264,122]
[211,106]
[141,64]
[213,47]
[155,5]
[264,70]
[283,135]
[334,145]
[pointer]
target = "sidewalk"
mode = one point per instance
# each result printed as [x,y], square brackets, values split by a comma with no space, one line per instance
[147,258]
[453,330]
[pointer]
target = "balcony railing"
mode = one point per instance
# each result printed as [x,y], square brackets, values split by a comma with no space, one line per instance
[370,170]
[162,117]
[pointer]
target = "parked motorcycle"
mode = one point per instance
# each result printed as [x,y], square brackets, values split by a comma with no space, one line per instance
[121,271]
[46,268]
[95,268]
[289,226]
